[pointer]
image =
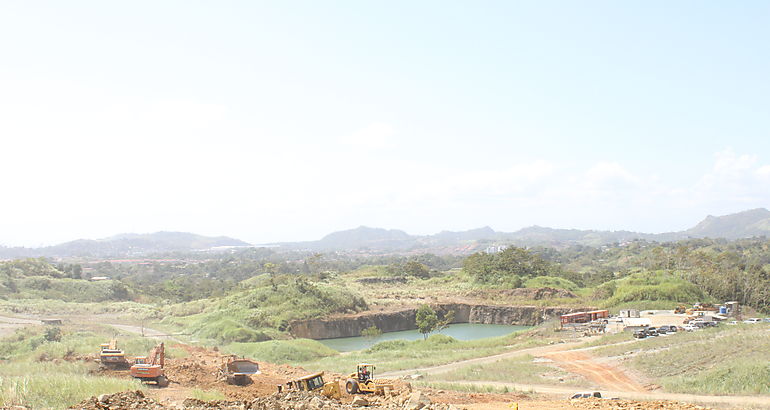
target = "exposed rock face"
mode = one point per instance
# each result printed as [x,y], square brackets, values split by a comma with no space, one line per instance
[405,319]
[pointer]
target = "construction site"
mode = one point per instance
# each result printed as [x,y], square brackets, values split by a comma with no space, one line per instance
[247,384]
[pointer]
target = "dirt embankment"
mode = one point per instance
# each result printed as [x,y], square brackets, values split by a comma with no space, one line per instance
[352,325]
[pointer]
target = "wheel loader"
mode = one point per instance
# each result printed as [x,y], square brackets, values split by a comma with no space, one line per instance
[362,381]
[313,382]
[237,371]
[111,357]
[149,369]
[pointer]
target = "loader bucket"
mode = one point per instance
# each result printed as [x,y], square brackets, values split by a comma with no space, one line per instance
[243,367]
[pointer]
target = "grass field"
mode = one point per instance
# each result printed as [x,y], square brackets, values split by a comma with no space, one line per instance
[515,370]
[49,385]
[723,360]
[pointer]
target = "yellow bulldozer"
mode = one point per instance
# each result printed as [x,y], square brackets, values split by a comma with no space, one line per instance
[363,381]
[313,382]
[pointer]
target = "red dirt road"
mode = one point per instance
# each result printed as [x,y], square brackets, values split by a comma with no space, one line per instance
[604,375]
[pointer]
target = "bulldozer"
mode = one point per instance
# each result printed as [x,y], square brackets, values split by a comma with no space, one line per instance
[680,309]
[363,381]
[313,382]
[149,369]
[237,371]
[111,357]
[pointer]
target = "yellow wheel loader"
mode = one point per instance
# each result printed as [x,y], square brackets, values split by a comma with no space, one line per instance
[363,381]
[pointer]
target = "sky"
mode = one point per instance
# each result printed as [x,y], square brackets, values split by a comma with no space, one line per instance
[287,120]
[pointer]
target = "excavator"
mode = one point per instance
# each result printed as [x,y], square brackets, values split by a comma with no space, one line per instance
[111,357]
[149,369]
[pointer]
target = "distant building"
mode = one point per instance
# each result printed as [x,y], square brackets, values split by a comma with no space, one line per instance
[629,313]
[584,317]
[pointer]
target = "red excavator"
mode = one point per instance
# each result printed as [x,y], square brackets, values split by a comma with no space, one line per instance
[150,369]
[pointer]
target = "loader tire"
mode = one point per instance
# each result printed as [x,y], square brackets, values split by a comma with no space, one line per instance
[351,387]
[162,381]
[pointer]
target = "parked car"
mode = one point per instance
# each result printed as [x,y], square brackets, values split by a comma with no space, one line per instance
[640,334]
[667,329]
[732,322]
[652,331]
[586,395]
[767,320]
[691,328]
[753,320]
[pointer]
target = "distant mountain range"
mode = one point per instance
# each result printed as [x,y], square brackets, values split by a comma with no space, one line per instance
[126,245]
[746,224]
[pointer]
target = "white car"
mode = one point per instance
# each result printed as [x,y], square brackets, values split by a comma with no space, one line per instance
[753,320]
[691,328]
[732,322]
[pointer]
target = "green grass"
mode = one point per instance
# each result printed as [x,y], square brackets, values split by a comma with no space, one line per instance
[262,310]
[207,395]
[48,385]
[722,360]
[662,286]
[467,388]
[550,282]
[728,362]
[513,370]
[30,343]
[282,351]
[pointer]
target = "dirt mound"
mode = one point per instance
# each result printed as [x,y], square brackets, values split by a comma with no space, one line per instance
[122,400]
[594,403]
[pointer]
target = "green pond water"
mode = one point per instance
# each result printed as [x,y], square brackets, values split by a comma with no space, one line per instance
[459,331]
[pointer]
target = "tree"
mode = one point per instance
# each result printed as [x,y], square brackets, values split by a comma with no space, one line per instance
[371,333]
[416,269]
[52,334]
[426,320]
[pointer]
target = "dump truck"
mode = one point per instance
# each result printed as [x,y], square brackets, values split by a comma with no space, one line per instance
[237,371]
[313,382]
[149,369]
[363,381]
[112,357]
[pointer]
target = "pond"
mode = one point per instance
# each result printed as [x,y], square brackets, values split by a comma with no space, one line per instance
[459,331]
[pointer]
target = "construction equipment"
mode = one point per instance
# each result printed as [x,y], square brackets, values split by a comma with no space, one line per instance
[149,369]
[112,357]
[313,382]
[680,309]
[362,381]
[237,371]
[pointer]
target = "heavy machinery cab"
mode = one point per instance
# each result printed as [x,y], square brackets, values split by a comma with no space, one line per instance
[140,360]
[313,382]
[362,381]
[365,372]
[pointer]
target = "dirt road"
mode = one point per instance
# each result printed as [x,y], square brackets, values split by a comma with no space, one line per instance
[146,331]
[604,375]
[8,324]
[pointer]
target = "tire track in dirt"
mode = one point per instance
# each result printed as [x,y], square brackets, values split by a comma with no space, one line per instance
[604,375]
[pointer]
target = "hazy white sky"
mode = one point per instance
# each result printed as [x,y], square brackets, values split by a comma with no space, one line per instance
[286,120]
